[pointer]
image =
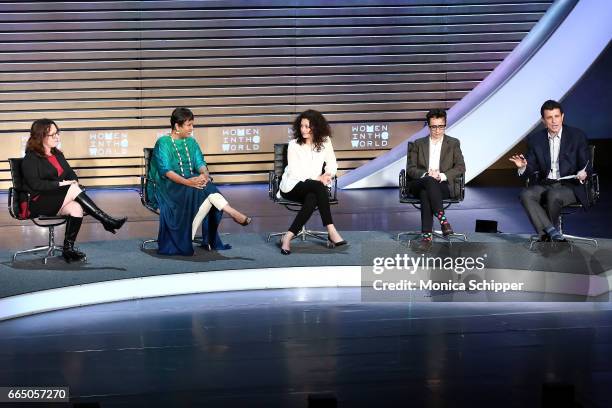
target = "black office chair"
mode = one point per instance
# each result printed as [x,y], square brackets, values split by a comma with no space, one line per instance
[592,189]
[18,194]
[144,193]
[406,198]
[274,179]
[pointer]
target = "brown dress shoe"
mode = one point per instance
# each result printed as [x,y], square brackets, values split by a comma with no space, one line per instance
[447,229]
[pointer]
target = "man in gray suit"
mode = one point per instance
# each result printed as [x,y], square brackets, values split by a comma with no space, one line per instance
[435,162]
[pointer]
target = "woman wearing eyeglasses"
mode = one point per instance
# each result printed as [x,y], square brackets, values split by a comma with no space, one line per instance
[434,164]
[54,188]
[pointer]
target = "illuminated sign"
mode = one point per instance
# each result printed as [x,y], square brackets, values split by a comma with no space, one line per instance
[370,135]
[241,139]
[108,144]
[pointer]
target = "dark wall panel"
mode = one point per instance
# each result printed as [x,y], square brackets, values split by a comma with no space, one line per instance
[122,66]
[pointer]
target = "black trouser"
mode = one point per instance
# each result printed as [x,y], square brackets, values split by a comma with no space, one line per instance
[544,203]
[312,194]
[431,192]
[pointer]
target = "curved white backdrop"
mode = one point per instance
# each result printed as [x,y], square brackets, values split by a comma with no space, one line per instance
[508,113]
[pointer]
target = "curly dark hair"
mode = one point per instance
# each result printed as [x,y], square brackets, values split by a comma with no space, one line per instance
[39,130]
[318,124]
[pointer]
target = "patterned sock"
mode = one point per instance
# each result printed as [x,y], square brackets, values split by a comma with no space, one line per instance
[553,232]
[441,217]
[426,236]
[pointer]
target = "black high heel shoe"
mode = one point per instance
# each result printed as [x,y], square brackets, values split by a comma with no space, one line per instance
[331,244]
[283,251]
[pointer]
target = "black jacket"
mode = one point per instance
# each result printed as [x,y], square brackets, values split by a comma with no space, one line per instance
[39,175]
[573,156]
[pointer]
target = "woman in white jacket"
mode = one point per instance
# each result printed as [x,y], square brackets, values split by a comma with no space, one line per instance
[304,180]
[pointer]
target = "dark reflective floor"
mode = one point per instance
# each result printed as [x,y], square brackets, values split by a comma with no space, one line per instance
[275,348]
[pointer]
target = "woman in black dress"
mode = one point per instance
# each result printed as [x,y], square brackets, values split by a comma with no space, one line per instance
[54,188]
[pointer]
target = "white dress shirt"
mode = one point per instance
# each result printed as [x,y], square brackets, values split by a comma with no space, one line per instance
[435,149]
[554,143]
[305,162]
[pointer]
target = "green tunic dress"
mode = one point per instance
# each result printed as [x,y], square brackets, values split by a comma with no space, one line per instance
[178,204]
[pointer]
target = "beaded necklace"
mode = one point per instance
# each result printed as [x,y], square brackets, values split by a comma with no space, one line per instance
[179,156]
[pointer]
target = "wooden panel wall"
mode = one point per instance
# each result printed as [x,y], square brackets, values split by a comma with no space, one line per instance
[119,68]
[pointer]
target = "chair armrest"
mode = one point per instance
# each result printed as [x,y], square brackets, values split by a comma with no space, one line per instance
[402,184]
[535,176]
[333,189]
[592,188]
[461,187]
[144,195]
[13,202]
[273,185]
[142,192]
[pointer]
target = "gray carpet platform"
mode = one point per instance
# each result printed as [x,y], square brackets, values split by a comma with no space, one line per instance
[123,259]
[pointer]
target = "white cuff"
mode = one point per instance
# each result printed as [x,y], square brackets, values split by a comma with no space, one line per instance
[443,177]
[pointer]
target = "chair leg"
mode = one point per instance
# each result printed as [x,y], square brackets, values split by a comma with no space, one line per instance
[570,238]
[532,240]
[407,233]
[322,235]
[31,251]
[449,237]
[50,248]
[147,241]
[437,234]
[275,234]
[576,239]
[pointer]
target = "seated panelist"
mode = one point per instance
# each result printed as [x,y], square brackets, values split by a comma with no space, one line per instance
[184,193]
[557,163]
[302,180]
[54,187]
[435,162]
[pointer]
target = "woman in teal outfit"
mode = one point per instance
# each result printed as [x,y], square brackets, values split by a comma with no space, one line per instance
[183,192]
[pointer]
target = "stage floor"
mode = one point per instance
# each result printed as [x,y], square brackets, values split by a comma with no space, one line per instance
[358,210]
[277,347]
[118,269]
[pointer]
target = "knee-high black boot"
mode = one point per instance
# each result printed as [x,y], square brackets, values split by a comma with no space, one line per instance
[109,223]
[70,254]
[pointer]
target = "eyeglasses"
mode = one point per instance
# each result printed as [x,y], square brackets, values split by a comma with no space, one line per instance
[437,127]
[56,134]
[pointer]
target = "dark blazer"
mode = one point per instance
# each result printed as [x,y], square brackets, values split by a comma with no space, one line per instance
[39,175]
[451,161]
[573,157]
